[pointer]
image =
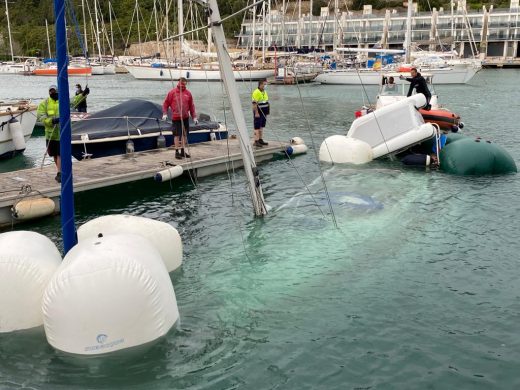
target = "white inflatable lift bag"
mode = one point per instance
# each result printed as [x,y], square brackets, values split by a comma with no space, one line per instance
[164,237]
[110,293]
[342,150]
[28,261]
[394,127]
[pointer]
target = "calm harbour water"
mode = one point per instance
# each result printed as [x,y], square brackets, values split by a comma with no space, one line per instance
[416,287]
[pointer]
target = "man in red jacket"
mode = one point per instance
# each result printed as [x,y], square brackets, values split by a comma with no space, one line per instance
[180,102]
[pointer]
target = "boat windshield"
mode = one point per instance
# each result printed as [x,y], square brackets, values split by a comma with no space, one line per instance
[393,90]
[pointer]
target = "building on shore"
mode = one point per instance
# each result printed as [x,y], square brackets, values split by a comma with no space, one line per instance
[485,33]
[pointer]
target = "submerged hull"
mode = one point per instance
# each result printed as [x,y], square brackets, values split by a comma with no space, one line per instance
[195,74]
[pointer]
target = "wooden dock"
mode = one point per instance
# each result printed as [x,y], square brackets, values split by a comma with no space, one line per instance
[206,159]
[501,62]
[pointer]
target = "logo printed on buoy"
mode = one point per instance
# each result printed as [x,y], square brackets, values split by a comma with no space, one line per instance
[103,344]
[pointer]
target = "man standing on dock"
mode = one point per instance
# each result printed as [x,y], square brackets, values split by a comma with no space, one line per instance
[180,101]
[49,114]
[260,111]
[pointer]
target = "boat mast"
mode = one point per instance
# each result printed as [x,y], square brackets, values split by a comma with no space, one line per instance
[408,40]
[167,22]
[97,30]
[452,29]
[310,25]
[335,37]
[283,25]
[263,32]
[138,29]
[180,13]
[9,30]
[67,192]
[228,78]
[48,39]
[269,31]
[254,33]
[84,28]
[299,28]
[111,31]
[156,26]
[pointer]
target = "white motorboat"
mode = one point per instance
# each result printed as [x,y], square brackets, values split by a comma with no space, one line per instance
[394,127]
[13,67]
[17,119]
[389,94]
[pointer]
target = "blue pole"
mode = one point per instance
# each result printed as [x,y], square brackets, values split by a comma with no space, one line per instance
[67,193]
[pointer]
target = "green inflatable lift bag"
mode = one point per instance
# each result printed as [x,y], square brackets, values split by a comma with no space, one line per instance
[468,156]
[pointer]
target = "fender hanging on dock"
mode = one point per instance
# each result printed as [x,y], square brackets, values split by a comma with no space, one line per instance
[32,208]
[15,128]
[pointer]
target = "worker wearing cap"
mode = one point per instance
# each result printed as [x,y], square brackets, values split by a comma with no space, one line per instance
[49,115]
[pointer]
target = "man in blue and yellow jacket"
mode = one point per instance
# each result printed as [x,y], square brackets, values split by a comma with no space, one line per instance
[49,115]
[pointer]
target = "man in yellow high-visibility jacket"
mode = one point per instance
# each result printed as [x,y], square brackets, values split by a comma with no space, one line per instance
[260,111]
[49,114]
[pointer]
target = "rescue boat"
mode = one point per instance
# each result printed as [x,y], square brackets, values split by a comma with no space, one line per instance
[390,93]
[443,117]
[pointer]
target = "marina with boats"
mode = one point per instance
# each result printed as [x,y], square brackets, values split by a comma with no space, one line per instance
[370,242]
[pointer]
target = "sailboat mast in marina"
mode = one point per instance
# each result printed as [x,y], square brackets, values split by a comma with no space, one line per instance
[228,78]
[9,30]
[67,193]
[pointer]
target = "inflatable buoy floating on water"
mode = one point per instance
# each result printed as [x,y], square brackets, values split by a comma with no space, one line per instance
[341,149]
[161,235]
[296,141]
[293,150]
[466,156]
[28,261]
[296,146]
[419,160]
[110,293]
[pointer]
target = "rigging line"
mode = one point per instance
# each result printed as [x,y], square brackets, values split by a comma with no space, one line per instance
[291,161]
[119,28]
[147,31]
[72,15]
[222,20]
[305,113]
[129,28]
[232,175]
[363,85]
[191,174]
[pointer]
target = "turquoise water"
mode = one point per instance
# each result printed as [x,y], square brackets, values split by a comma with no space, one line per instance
[415,285]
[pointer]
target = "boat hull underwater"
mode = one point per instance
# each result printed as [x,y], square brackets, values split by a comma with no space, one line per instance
[109,132]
